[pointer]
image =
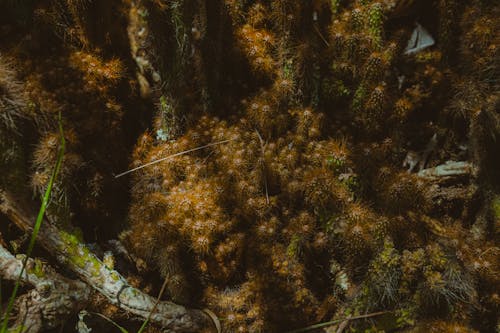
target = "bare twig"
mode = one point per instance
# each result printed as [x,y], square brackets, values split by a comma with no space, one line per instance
[449,169]
[343,325]
[321,35]
[330,323]
[170,156]
[262,147]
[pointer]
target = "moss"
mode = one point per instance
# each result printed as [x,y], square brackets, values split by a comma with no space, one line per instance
[115,276]
[384,280]
[375,22]
[167,122]
[334,7]
[71,240]
[337,164]
[335,89]
[78,254]
[405,317]
[13,108]
[359,98]
[427,57]
[79,259]
[495,207]
[306,210]
[37,269]
[294,248]
[18,329]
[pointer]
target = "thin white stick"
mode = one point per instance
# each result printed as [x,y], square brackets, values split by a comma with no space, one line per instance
[170,156]
[262,144]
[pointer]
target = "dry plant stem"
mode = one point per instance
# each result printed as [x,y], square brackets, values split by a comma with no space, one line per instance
[171,156]
[263,149]
[78,258]
[53,298]
[343,325]
[343,322]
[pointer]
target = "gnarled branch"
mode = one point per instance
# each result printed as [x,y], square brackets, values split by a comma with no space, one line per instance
[69,251]
[53,298]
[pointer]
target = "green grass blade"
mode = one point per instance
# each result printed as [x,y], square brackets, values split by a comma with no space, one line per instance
[143,326]
[36,228]
[121,328]
[146,322]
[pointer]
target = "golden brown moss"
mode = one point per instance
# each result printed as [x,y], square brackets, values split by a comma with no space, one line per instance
[308,211]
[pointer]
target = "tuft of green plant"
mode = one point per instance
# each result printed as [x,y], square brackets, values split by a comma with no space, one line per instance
[385,276]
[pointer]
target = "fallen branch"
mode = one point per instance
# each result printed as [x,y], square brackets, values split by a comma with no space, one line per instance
[449,169]
[70,251]
[53,299]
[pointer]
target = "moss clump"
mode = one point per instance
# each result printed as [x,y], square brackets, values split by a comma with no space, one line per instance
[78,254]
[495,207]
[302,197]
[313,206]
[37,269]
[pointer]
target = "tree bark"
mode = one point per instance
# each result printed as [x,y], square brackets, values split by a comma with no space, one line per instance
[53,298]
